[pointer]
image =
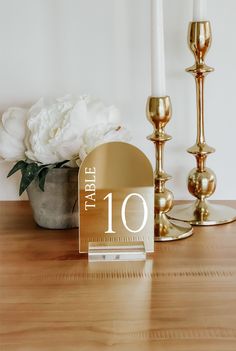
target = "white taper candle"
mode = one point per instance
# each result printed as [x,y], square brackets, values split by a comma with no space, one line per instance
[199,10]
[157,50]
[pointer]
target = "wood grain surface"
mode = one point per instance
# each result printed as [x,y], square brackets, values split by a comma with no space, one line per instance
[183,298]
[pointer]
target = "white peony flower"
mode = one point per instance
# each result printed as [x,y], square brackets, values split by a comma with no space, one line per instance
[55,128]
[100,134]
[12,134]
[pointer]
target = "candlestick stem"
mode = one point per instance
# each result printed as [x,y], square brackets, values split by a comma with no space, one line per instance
[200,109]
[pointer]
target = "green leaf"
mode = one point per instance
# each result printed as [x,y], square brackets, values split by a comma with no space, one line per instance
[42,177]
[60,164]
[43,166]
[19,165]
[28,175]
[32,171]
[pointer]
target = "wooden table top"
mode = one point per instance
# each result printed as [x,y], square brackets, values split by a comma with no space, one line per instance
[182,298]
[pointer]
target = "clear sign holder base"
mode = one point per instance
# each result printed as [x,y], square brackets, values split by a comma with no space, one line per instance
[119,251]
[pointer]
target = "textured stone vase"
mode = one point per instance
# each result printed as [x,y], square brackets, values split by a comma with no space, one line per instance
[57,206]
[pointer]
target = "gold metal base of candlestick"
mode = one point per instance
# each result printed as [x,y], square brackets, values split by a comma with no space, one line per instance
[203,213]
[166,230]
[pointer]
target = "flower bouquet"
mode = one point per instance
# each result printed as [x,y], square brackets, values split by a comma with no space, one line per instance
[48,142]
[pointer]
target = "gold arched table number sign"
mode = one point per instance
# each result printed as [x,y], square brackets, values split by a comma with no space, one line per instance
[116,197]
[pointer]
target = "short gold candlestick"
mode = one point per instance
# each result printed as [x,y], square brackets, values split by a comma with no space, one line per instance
[201,180]
[159,114]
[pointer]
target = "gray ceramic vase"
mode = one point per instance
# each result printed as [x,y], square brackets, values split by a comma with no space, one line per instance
[57,206]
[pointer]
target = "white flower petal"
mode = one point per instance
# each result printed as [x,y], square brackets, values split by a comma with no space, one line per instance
[10,148]
[14,122]
[100,134]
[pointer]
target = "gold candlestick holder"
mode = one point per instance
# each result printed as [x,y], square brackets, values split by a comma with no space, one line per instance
[201,180]
[159,114]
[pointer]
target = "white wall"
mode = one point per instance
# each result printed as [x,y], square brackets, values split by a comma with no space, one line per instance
[102,47]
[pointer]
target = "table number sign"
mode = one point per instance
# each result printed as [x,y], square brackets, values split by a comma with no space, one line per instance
[116,203]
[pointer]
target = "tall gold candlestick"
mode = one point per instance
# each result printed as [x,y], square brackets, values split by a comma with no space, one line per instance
[159,114]
[201,180]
